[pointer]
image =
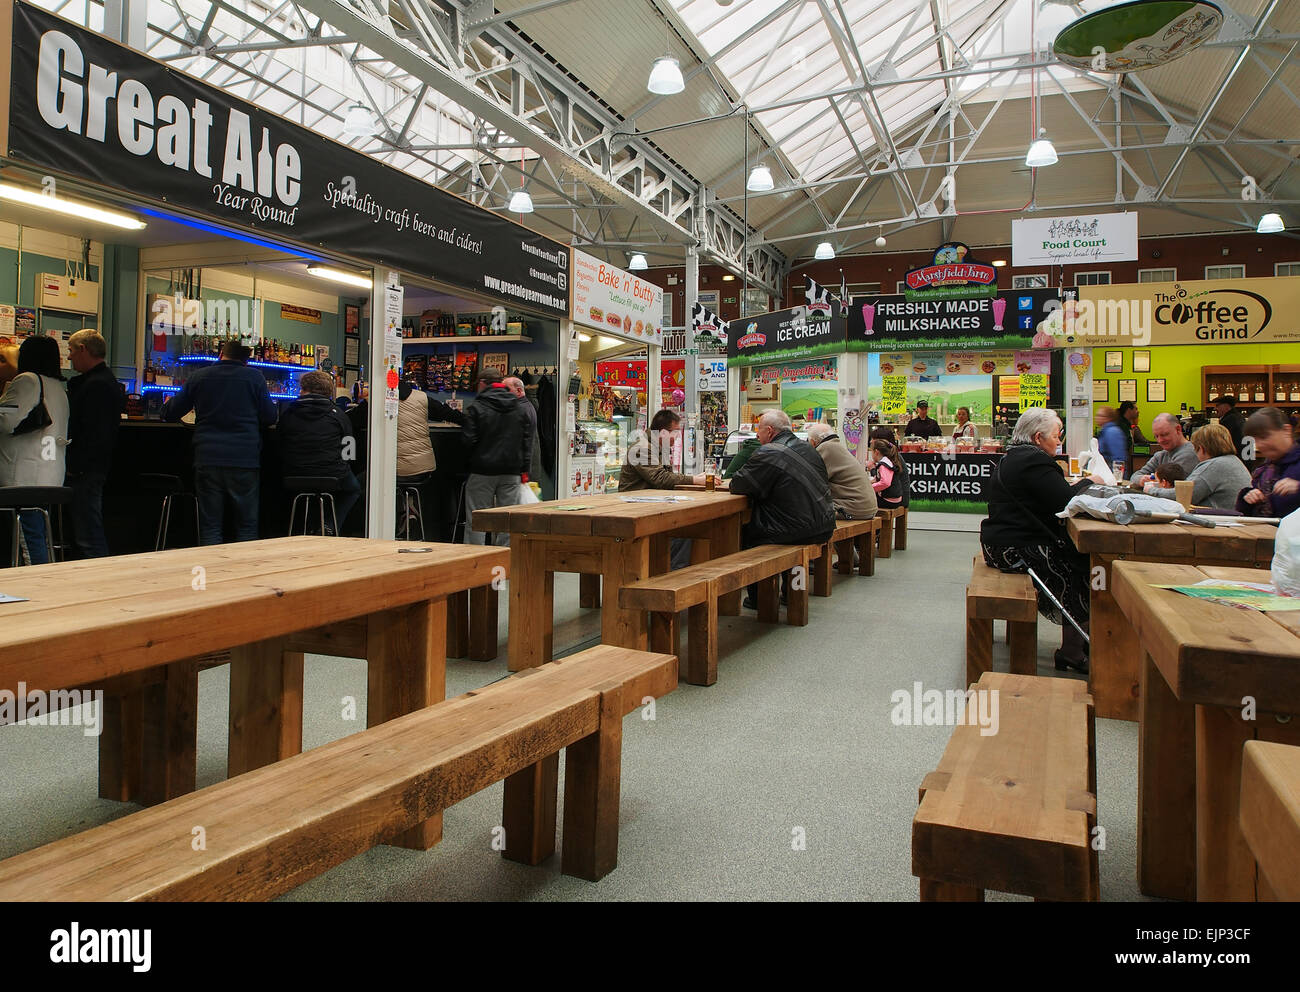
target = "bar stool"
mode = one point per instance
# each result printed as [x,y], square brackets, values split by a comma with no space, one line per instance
[307,488]
[20,499]
[408,488]
[169,487]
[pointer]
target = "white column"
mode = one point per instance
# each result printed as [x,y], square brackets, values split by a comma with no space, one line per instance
[564,436]
[385,355]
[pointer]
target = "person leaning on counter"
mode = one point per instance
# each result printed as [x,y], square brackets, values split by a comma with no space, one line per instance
[921,425]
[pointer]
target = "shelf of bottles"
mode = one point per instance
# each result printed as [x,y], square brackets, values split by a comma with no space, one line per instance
[1254,386]
[280,361]
[438,325]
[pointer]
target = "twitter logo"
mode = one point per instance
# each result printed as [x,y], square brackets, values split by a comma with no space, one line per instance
[1026,303]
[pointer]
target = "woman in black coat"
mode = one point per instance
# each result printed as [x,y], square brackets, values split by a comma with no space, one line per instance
[1022,530]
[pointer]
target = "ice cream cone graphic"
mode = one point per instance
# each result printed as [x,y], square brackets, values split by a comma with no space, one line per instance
[1080,363]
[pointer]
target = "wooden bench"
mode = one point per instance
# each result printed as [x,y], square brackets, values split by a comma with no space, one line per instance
[1270,817]
[269,830]
[1013,811]
[697,589]
[892,520]
[994,595]
[849,534]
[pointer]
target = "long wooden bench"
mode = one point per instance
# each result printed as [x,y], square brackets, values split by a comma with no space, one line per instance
[1270,817]
[697,589]
[262,833]
[993,595]
[1013,811]
[849,534]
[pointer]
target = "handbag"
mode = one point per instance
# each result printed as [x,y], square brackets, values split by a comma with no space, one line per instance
[38,418]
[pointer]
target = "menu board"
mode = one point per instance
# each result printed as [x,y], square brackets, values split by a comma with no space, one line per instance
[614,301]
[894,395]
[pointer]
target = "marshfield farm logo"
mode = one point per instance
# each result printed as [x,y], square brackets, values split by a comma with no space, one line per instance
[951,274]
[751,338]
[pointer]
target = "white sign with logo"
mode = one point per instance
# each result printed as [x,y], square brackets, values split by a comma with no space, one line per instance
[1082,239]
[616,302]
[713,375]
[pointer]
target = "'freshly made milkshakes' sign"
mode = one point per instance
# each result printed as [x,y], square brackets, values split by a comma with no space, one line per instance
[1006,321]
[84,106]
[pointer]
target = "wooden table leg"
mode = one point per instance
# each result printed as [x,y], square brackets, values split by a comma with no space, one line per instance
[589,591]
[265,705]
[1225,866]
[120,746]
[702,649]
[458,624]
[407,671]
[591,791]
[483,624]
[724,540]
[532,604]
[1023,638]
[528,812]
[661,554]
[1115,654]
[1166,856]
[625,562]
[169,734]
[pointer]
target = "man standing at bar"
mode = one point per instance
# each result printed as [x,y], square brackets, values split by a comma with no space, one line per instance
[499,437]
[95,406]
[231,405]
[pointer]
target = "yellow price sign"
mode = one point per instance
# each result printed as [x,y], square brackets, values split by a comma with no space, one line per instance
[893,389]
[1033,390]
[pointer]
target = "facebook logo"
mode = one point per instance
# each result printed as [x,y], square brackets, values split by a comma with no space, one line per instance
[1026,323]
[1026,303]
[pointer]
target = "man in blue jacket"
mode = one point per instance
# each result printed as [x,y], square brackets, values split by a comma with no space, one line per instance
[1112,440]
[231,405]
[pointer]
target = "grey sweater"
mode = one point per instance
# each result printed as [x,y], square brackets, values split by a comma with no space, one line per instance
[1184,455]
[1218,481]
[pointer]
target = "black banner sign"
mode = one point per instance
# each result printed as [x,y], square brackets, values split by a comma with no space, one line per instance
[955,482]
[784,335]
[85,106]
[1006,321]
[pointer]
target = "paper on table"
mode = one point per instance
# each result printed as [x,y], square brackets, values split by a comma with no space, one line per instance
[1242,595]
[668,498]
[6,598]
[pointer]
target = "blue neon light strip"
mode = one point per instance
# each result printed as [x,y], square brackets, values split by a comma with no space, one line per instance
[260,365]
[226,232]
[177,389]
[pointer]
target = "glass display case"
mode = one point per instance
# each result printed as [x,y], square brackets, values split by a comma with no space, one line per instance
[606,439]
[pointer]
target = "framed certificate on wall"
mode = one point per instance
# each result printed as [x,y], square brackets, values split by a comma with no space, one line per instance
[1100,390]
[1128,390]
[1155,390]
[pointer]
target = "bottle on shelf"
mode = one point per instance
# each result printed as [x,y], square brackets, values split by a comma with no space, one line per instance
[1243,393]
[1295,390]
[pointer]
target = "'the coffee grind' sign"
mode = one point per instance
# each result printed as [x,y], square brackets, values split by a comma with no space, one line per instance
[85,106]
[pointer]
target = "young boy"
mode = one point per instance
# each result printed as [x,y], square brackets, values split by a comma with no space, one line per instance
[1169,473]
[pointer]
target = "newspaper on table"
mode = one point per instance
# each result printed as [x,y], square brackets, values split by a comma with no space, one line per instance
[662,498]
[1103,507]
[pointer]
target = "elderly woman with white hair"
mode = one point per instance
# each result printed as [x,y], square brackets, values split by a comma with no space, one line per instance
[1022,531]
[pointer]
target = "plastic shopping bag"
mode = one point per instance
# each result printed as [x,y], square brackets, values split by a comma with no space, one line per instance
[1093,462]
[1286,555]
[526,494]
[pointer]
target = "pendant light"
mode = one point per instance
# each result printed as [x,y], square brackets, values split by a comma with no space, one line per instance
[1042,152]
[760,180]
[638,262]
[824,252]
[359,122]
[1271,224]
[666,76]
[520,201]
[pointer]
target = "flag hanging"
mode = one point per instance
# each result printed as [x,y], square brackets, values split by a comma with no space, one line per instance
[704,320]
[817,298]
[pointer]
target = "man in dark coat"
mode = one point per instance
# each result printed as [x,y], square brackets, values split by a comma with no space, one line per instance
[95,406]
[499,436]
[316,439]
[789,491]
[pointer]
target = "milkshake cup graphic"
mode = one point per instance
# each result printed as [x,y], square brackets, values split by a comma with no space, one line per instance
[999,308]
[869,317]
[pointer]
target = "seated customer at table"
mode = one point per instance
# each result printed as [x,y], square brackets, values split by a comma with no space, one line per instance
[315,439]
[1174,448]
[1219,477]
[1022,531]
[648,461]
[888,479]
[1274,489]
[789,491]
[851,489]
[1169,473]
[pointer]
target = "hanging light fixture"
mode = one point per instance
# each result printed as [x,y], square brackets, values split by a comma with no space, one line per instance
[1271,224]
[1042,152]
[520,202]
[760,180]
[824,252]
[638,262]
[359,122]
[666,76]
[880,239]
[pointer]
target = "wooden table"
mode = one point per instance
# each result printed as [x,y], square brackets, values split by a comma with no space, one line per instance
[142,624]
[621,541]
[1203,667]
[1115,658]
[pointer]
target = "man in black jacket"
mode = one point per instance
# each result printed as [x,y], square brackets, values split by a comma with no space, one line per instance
[499,437]
[95,405]
[316,439]
[789,491]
